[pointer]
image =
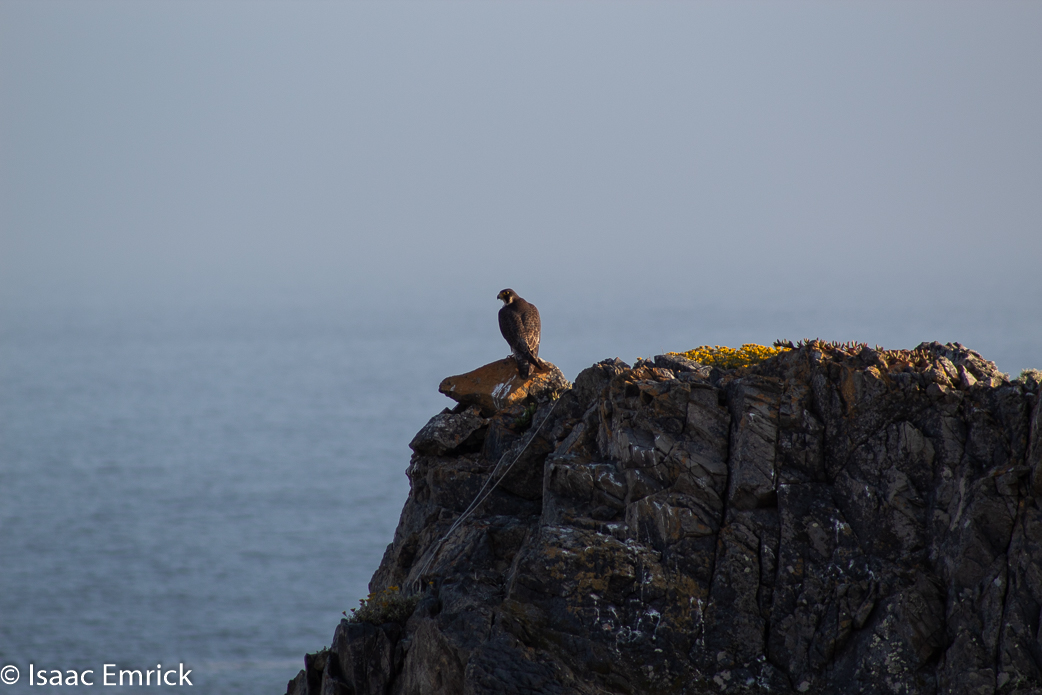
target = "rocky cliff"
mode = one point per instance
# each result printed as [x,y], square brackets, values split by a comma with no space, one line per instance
[836,519]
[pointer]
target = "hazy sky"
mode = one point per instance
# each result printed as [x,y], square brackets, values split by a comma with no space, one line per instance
[380,153]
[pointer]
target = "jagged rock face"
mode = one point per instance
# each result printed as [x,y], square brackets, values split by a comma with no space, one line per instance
[829,521]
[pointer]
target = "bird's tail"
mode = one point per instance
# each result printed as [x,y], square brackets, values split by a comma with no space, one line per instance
[526,361]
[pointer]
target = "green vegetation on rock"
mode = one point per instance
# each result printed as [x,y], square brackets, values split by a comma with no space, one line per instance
[387,606]
[1031,378]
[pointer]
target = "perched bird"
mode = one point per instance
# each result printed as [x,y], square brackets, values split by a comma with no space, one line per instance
[519,324]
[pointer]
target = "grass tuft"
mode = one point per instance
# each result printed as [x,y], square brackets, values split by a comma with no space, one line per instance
[1032,378]
[387,606]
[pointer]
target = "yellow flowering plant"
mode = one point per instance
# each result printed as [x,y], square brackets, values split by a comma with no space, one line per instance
[725,357]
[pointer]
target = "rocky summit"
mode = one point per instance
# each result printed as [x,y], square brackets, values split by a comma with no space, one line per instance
[835,519]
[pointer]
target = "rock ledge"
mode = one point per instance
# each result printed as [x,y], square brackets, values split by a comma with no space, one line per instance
[497,386]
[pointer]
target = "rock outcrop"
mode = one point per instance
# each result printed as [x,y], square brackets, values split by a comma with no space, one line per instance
[836,519]
[497,386]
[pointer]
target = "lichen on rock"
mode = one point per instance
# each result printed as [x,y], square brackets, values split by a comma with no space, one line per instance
[833,519]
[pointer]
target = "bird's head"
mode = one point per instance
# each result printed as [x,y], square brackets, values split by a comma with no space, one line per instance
[507,296]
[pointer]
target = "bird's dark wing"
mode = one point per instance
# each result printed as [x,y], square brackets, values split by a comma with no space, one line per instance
[532,329]
[513,326]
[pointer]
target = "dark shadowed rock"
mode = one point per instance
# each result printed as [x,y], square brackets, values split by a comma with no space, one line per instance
[679,363]
[447,432]
[837,519]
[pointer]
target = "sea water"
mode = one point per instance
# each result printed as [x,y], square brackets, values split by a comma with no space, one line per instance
[209,491]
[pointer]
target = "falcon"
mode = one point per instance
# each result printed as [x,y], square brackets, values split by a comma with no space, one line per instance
[519,324]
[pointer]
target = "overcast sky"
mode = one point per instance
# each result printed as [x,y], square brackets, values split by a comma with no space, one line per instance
[790,153]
